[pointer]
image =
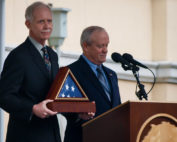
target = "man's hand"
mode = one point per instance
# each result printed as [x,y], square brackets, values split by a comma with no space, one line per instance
[41,110]
[86,116]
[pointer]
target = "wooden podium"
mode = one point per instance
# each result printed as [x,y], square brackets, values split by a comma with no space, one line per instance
[133,122]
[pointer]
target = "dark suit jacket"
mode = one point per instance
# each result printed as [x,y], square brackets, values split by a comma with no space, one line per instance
[24,82]
[93,89]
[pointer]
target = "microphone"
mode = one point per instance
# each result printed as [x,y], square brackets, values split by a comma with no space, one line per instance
[118,58]
[130,59]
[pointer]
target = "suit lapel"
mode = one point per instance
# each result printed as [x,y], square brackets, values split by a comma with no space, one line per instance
[90,76]
[37,58]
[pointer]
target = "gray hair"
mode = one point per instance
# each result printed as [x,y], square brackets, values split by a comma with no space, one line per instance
[30,9]
[87,32]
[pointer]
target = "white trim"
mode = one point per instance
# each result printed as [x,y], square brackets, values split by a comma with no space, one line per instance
[164,71]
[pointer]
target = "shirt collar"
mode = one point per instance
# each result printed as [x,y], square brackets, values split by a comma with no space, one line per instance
[91,64]
[36,44]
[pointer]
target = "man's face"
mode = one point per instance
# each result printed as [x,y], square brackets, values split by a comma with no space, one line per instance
[40,27]
[96,52]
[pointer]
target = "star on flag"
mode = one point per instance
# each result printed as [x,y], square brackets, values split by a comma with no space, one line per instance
[70,89]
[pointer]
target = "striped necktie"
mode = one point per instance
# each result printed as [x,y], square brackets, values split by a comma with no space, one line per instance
[46,58]
[102,80]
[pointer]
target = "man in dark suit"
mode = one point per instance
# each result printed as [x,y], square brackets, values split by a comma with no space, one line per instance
[25,81]
[99,82]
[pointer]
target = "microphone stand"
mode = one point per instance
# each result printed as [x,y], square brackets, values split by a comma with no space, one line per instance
[141,93]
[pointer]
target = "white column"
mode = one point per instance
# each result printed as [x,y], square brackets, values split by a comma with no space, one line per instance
[2,50]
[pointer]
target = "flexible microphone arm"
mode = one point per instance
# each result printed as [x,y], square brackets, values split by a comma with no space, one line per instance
[141,93]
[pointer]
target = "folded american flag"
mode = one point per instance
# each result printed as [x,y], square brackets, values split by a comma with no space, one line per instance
[70,89]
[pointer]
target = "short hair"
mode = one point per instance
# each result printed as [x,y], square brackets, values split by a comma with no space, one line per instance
[30,9]
[87,32]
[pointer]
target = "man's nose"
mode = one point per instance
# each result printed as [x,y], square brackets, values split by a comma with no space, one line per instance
[47,24]
[105,49]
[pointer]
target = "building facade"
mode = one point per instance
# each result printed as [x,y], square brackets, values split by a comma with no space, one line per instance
[146,29]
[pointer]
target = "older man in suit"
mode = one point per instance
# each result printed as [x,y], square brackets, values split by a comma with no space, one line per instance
[25,80]
[99,82]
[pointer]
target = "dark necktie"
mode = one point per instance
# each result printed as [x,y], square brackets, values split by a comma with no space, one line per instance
[46,58]
[102,80]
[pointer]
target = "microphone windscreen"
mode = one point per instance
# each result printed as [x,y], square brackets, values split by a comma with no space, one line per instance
[130,59]
[127,56]
[116,57]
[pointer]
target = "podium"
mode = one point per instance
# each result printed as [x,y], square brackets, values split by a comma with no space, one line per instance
[133,122]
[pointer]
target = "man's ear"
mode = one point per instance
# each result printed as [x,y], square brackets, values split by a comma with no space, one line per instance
[85,46]
[27,23]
